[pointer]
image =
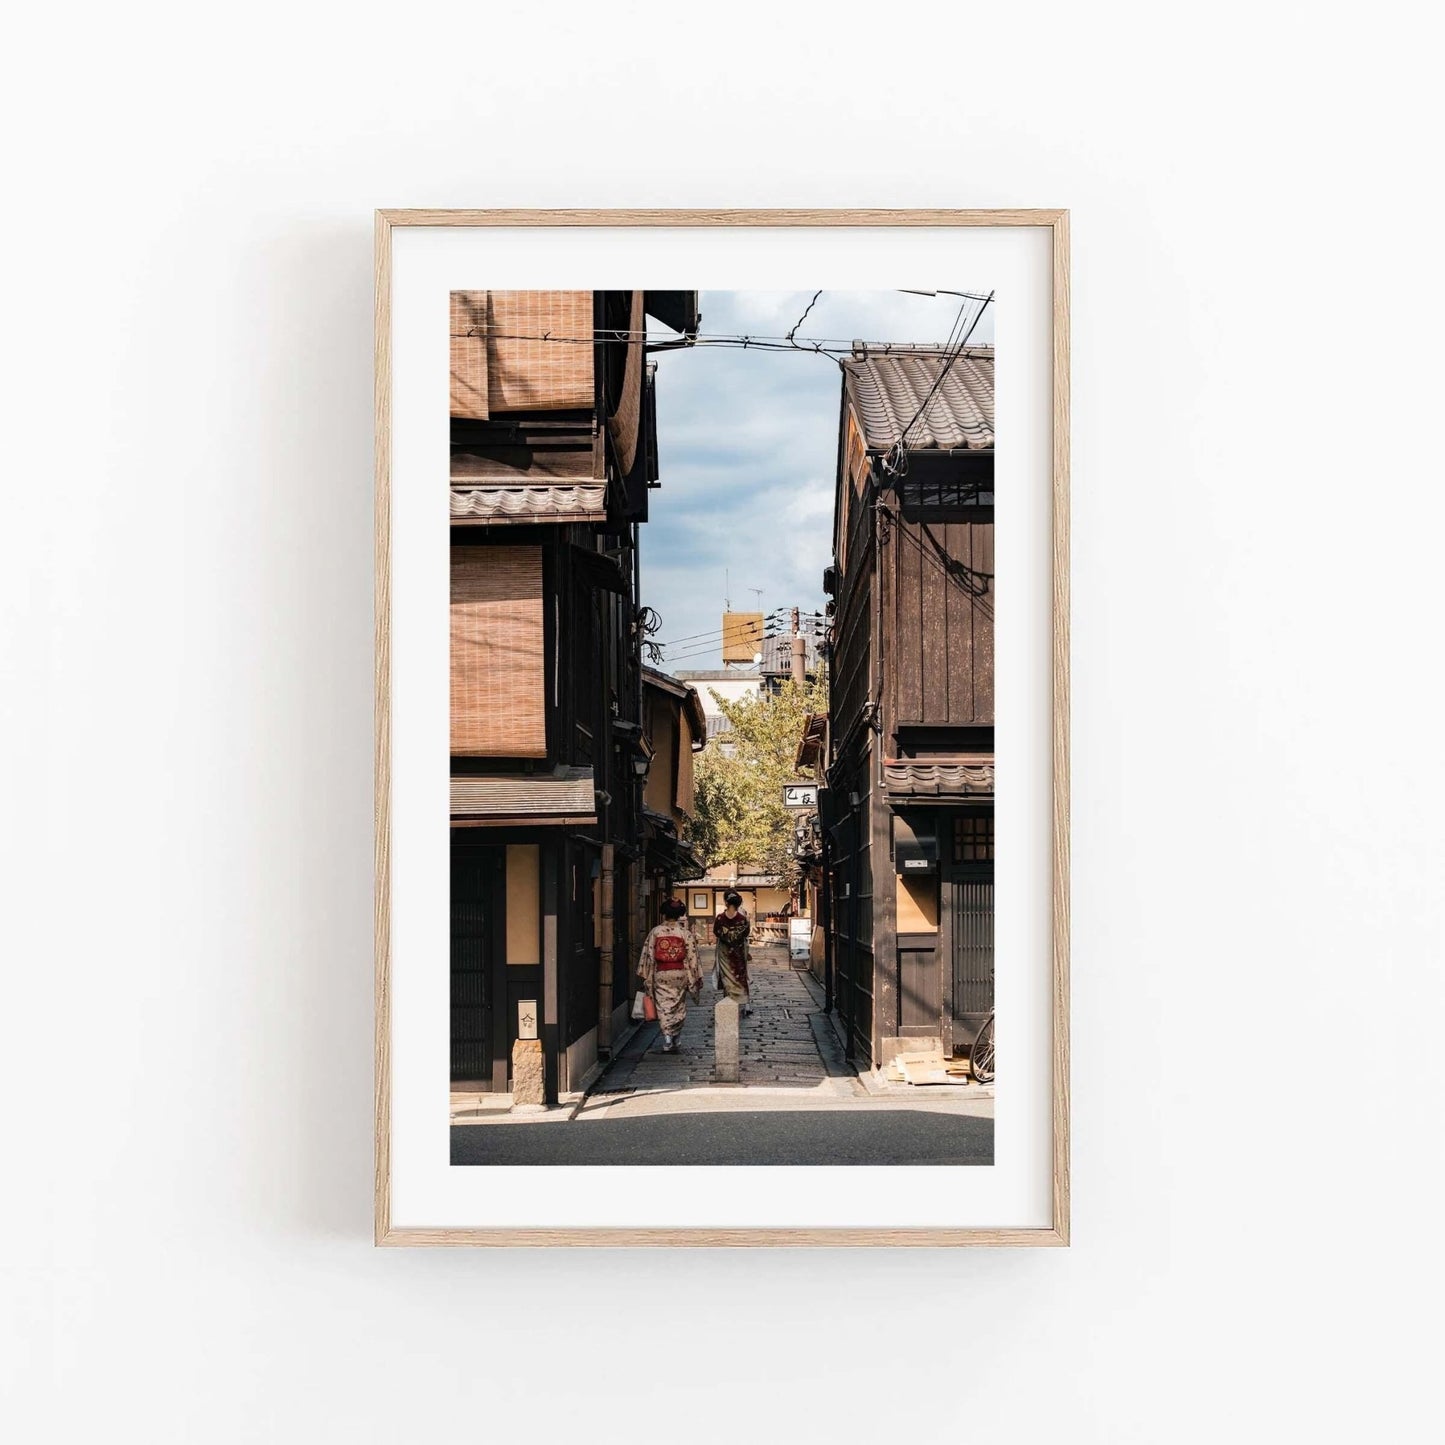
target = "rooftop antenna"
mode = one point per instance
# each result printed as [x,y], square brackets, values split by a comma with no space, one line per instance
[727,592]
[758,593]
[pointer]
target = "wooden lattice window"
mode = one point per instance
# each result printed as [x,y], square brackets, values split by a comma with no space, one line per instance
[973,839]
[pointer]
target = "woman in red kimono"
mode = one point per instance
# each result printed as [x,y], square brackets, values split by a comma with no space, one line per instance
[732,929]
[669,970]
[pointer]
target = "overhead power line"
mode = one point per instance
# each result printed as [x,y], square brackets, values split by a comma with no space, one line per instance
[702,648]
[705,641]
[895,461]
[715,632]
[834,346]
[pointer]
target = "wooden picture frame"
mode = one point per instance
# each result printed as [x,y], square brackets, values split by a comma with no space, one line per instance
[1057,1233]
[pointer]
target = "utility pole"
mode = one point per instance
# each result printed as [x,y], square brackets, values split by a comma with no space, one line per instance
[800,653]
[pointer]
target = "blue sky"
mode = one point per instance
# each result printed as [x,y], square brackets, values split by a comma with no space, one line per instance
[748,445]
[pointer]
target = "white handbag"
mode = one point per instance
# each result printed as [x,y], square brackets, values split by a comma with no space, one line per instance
[639,1005]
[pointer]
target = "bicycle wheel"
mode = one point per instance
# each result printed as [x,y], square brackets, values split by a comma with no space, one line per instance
[981,1059]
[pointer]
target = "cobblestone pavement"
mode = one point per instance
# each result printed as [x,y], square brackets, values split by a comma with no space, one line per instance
[798,1100]
[784,1044]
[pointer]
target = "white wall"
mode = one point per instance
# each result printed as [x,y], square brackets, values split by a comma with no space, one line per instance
[185,718]
[731,690]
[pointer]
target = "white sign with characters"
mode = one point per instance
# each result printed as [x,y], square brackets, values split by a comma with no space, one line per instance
[800,795]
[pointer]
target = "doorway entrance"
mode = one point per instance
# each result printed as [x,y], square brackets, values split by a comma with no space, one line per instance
[478,947]
[968,896]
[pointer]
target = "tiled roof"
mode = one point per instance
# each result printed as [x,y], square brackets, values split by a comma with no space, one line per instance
[562,793]
[887,388]
[742,880]
[544,503]
[940,780]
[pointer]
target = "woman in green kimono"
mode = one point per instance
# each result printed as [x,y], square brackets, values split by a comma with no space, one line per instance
[669,970]
[732,929]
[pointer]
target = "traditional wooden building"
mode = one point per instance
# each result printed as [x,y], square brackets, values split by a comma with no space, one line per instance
[909,810]
[553,457]
[674,731]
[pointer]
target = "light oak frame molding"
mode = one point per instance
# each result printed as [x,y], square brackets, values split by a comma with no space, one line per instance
[1058,1234]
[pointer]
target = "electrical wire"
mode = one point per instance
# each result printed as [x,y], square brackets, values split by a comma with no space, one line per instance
[833,346]
[714,641]
[710,648]
[771,620]
[713,648]
[947,366]
[688,636]
[816,636]
[794,331]
[895,460]
[808,622]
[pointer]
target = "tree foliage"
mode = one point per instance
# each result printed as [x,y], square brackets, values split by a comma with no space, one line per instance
[740,775]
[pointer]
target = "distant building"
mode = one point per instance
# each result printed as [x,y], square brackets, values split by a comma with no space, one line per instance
[767,674]
[729,684]
[674,729]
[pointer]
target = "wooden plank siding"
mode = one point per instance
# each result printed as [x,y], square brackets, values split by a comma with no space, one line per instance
[883,913]
[982,616]
[850,691]
[934,587]
[853,894]
[852,686]
[937,609]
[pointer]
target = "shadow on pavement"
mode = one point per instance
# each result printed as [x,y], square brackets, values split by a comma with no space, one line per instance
[879,1136]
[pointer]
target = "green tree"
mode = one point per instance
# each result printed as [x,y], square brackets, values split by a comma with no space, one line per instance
[740,813]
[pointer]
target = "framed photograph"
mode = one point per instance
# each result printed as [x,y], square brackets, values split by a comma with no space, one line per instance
[749,588]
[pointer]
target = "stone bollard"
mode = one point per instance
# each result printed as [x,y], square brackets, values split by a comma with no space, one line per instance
[527,1084]
[725,1041]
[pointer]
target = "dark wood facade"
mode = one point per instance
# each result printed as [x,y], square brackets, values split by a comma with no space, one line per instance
[908,816]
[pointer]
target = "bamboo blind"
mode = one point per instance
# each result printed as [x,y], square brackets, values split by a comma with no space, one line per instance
[469,355]
[498,673]
[502,359]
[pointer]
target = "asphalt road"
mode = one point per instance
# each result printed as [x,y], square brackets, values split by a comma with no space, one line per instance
[872,1135]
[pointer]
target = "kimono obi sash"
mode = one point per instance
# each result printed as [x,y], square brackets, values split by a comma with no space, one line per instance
[669,952]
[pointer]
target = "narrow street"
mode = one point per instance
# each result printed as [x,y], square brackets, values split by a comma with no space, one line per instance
[798,1100]
[785,1045]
